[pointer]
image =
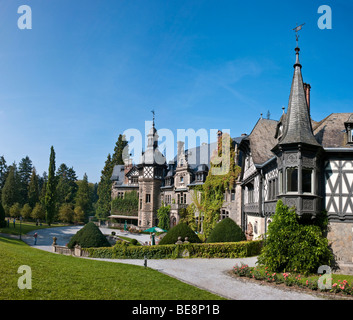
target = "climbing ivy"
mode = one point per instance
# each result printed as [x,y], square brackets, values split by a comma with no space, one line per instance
[126,206]
[208,205]
[163,216]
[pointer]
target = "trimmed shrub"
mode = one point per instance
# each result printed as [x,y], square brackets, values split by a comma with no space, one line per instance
[180,230]
[89,236]
[226,231]
[192,250]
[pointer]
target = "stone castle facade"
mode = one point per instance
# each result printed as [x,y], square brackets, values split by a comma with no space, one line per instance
[307,164]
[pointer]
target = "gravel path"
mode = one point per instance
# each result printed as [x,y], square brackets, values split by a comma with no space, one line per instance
[207,274]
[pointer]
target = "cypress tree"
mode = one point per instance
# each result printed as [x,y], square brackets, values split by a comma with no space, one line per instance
[10,194]
[104,190]
[24,175]
[119,153]
[50,189]
[3,172]
[83,197]
[33,189]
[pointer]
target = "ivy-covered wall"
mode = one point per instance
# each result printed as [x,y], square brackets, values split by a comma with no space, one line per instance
[209,197]
[127,206]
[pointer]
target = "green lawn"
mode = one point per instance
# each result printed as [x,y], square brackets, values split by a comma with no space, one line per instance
[58,277]
[25,227]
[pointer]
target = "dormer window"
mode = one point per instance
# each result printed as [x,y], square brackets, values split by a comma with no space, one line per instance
[349,129]
[349,134]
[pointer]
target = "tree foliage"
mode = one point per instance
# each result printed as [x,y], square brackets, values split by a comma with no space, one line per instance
[83,197]
[163,217]
[33,189]
[104,190]
[50,201]
[10,192]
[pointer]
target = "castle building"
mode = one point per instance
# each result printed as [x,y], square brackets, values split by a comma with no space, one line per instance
[158,183]
[307,164]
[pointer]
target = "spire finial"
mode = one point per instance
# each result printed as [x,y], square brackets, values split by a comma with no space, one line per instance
[297,29]
[153,116]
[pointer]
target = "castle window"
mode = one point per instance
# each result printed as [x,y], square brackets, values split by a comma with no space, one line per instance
[280,181]
[292,179]
[307,180]
[232,195]
[349,129]
[272,189]
[148,198]
[250,193]
[224,214]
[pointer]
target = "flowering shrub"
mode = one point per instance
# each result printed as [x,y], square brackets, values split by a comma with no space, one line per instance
[289,279]
[242,271]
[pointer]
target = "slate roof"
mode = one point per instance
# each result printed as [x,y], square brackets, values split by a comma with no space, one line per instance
[118,174]
[297,127]
[331,131]
[262,140]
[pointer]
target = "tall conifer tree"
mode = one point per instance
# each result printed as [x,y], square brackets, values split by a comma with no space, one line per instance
[10,193]
[50,189]
[33,189]
[120,152]
[104,190]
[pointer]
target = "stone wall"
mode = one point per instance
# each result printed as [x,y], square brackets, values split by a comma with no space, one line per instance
[340,235]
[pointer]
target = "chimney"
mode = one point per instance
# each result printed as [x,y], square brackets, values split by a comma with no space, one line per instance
[307,88]
[127,168]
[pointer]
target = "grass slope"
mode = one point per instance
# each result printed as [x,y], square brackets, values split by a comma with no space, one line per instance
[58,277]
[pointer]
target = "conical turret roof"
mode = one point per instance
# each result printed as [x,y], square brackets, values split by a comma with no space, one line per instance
[297,128]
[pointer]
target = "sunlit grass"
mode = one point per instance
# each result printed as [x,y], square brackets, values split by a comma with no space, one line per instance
[58,277]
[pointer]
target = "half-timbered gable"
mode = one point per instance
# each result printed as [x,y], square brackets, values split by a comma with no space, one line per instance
[307,164]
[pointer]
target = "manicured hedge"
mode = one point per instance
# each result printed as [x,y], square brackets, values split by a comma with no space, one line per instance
[89,236]
[192,250]
[226,231]
[180,230]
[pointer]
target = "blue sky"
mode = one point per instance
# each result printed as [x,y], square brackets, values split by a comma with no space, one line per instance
[89,70]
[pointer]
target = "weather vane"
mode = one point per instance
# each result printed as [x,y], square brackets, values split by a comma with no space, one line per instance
[297,29]
[153,116]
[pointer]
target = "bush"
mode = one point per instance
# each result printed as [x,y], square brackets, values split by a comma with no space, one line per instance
[89,236]
[292,246]
[180,230]
[226,231]
[192,250]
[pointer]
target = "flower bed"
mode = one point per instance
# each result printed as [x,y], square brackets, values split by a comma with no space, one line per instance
[340,287]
